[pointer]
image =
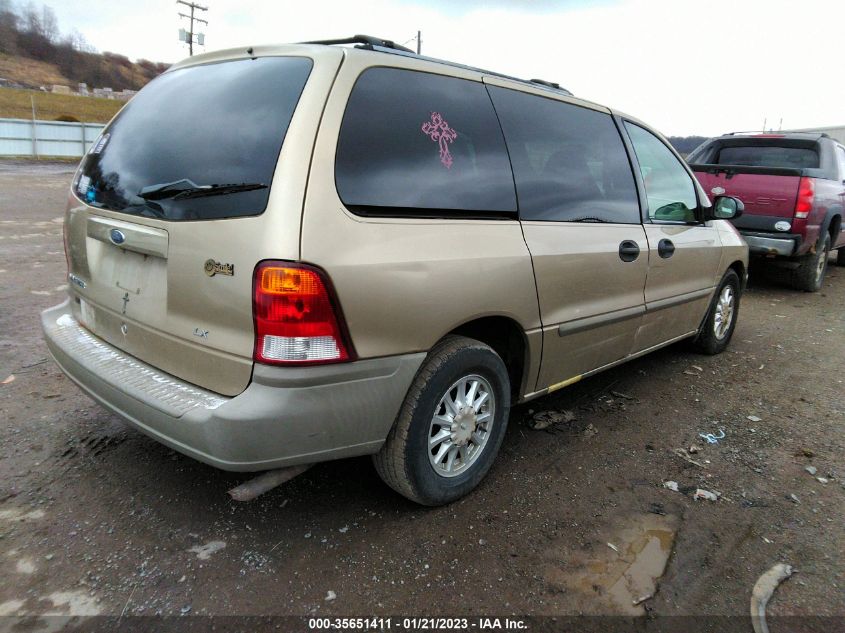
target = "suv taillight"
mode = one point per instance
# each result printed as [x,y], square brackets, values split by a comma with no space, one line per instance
[804,202]
[297,320]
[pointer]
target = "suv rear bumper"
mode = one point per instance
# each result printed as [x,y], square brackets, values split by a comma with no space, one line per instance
[286,416]
[763,243]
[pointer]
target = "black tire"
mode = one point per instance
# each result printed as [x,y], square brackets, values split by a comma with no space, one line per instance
[403,462]
[809,274]
[840,256]
[708,340]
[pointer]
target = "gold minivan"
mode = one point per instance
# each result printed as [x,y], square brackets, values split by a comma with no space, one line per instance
[289,254]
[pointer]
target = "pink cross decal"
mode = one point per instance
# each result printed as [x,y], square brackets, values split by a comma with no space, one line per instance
[440,131]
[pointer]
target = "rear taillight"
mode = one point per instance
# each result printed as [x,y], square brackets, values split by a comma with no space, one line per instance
[806,193]
[297,318]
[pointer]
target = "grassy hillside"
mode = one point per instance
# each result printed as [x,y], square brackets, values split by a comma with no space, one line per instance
[31,72]
[35,53]
[16,104]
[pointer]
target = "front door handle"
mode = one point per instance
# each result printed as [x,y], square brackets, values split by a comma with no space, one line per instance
[629,250]
[665,248]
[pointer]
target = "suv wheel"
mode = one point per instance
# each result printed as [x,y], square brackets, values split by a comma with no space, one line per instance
[719,324]
[811,268]
[451,424]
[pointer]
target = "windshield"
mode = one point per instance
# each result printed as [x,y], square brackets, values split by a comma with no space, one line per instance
[219,127]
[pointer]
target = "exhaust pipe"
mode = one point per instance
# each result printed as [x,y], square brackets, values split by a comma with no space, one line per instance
[266,481]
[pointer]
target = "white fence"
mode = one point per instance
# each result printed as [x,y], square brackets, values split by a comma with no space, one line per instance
[24,137]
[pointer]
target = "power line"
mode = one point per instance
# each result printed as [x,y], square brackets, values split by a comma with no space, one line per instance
[188,36]
[418,40]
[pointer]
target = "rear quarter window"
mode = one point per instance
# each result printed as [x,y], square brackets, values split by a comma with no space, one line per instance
[422,145]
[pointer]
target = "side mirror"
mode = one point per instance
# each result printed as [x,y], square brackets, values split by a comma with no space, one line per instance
[725,208]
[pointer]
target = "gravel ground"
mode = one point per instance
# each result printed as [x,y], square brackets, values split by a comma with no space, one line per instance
[96,518]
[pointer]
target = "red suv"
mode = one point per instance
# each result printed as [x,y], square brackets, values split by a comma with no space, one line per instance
[793,188]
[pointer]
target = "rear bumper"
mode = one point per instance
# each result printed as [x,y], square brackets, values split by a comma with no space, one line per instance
[286,416]
[782,244]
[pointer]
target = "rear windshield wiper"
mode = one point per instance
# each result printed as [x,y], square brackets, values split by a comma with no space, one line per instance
[587,219]
[185,188]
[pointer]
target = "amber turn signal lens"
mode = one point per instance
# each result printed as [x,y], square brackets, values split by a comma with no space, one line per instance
[276,280]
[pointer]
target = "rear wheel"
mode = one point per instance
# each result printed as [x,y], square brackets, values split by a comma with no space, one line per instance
[451,424]
[720,322]
[809,274]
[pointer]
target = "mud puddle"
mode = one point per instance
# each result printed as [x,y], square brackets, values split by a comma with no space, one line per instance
[621,569]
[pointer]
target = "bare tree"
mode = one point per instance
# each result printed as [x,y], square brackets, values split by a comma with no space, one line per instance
[49,24]
[8,28]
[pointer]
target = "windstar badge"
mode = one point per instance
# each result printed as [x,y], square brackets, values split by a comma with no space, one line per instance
[216,268]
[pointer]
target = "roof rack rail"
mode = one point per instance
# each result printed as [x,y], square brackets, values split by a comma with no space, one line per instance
[368,40]
[389,46]
[779,132]
[548,84]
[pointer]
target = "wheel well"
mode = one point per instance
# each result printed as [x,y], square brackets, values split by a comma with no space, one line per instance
[739,268]
[834,227]
[507,338]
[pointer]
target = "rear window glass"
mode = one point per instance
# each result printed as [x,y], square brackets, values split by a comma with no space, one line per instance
[768,156]
[423,145]
[197,143]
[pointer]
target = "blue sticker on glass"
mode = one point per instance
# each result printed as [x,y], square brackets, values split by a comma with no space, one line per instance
[90,195]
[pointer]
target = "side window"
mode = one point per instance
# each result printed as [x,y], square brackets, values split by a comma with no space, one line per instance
[423,145]
[668,186]
[569,162]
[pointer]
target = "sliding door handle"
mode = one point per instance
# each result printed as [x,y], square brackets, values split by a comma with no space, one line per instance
[629,250]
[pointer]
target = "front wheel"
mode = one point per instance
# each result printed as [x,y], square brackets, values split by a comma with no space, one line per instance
[719,324]
[451,424]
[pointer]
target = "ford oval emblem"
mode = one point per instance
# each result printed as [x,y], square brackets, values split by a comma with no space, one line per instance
[117,236]
[717,191]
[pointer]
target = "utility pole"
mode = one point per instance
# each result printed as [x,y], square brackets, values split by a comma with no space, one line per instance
[418,38]
[188,36]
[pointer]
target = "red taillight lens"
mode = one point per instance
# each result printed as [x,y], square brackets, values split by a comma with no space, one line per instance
[806,193]
[296,317]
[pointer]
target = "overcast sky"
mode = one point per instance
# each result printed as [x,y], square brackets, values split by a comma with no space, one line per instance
[686,67]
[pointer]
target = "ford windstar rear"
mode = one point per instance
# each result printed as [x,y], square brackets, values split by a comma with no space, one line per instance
[284,255]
